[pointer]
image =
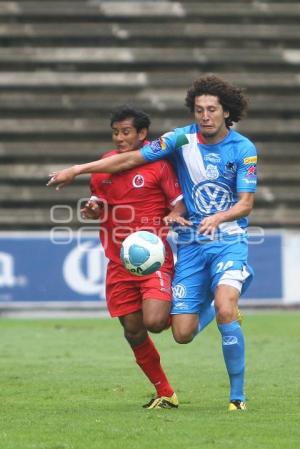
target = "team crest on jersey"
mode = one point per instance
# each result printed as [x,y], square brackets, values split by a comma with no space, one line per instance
[138,181]
[212,157]
[212,172]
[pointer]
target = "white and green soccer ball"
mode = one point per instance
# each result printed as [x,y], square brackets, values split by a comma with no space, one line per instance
[142,253]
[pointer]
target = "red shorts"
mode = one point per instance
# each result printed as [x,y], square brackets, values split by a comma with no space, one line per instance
[126,292]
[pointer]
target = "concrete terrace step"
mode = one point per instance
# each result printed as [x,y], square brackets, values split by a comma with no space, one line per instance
[48,152]
[41,195]
[133,10]
[280,151]
[31,172]
[72,128]
[121,34]
[154,101]
[137,81]
[77,152]
[282,216]
[94,57]
[275,194]
[255,80]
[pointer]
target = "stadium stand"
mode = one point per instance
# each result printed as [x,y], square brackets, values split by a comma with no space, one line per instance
[65,64]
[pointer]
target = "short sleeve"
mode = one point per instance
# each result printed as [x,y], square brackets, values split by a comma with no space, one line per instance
[246,168]
[164,146]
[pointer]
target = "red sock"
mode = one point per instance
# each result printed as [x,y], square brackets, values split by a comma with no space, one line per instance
[147,357]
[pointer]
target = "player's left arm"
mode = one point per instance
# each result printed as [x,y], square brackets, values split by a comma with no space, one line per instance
[241,209]
[246,181]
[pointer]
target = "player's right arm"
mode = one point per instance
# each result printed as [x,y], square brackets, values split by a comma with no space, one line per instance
[157,149]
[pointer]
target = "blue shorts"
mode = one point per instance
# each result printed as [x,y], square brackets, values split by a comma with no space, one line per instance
[201,267]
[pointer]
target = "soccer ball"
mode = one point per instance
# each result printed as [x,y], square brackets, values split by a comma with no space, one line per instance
[142,253]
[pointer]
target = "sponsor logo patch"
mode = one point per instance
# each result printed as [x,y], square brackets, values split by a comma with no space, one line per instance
[251,171]
[212,197]
[155,146]
[249,181]
[250,160]
[229,340]
[212,157]
[163,144]
[179,291]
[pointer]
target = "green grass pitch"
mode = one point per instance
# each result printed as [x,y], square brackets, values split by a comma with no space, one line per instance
[73,384]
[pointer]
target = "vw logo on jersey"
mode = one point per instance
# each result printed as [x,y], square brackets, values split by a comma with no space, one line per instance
[179,291]
[212,172]
[138,181]
[212,197]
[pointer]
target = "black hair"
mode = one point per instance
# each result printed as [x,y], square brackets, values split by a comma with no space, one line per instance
[140,119]
[230,97]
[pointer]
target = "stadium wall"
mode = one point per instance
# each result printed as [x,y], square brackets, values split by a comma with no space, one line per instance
[65,270]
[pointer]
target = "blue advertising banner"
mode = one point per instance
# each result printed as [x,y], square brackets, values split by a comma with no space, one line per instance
[266,260]
[36,267]
[43,269]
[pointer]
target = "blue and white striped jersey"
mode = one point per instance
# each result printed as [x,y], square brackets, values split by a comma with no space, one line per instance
[211,176]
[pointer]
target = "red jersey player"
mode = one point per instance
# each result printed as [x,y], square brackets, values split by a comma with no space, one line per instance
[139,198]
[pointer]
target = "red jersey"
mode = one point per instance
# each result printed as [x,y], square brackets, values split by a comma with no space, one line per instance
[135,199]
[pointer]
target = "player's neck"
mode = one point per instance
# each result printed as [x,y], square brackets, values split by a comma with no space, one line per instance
[215,138]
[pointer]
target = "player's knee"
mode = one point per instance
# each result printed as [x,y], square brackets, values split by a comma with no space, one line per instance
[225,314]
[182,336]
[135,337]
[155,324]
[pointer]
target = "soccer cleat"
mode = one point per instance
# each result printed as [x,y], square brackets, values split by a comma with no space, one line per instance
[237,405]
[163,402]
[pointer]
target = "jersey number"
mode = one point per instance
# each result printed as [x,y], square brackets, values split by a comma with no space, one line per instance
[224,266]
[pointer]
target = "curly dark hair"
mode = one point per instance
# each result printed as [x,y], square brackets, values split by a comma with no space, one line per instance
[140,119]
[232,99]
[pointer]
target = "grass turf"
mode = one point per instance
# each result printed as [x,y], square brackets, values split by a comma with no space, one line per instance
[73,384]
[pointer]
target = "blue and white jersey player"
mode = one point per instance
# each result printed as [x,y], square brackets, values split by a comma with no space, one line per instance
[211,176]
[216,167]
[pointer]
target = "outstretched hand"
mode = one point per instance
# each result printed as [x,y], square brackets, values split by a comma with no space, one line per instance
[61,178]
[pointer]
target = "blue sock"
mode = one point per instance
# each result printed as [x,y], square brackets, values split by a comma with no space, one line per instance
[234,356]
[205,317]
